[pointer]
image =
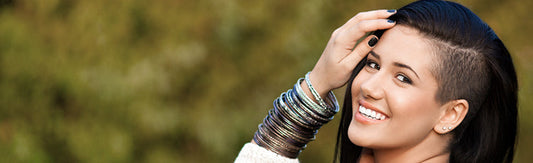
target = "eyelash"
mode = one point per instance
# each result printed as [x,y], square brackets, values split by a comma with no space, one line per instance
[405,79]
[372,64]
[401,77]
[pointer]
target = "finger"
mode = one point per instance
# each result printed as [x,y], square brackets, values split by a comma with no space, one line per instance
[346,40]
[360,51]
[369,26]
[368,15]
[350,36]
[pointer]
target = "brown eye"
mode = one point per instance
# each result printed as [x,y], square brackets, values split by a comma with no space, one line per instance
[404,79]
[373,65]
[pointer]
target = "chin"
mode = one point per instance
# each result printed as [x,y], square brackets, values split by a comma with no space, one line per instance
[364,138]
[357,138]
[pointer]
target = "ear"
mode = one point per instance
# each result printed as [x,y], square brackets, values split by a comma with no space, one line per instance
[453,114]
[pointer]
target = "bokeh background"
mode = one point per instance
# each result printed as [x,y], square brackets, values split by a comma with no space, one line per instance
[181,80]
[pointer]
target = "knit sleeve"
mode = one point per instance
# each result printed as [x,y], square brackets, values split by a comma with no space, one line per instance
[254,153]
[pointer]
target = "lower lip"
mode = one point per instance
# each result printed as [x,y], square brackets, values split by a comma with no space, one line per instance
[363,119]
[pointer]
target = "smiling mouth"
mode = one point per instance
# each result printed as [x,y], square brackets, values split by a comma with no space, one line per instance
[370,113]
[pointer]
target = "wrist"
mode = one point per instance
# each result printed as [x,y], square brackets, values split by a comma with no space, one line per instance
[319,85]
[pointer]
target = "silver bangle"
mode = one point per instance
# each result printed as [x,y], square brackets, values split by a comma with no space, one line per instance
[309,102]
[311,112]
[294,121]
[313,91]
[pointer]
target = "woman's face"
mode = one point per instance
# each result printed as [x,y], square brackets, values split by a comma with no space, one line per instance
[393,97]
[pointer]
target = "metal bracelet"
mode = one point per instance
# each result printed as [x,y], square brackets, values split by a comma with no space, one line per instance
[313,91]
[294,120]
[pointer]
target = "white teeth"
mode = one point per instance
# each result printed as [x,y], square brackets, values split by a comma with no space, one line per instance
[378,115]
[370,113]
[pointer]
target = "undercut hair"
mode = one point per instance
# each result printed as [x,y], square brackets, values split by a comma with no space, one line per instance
[473,64]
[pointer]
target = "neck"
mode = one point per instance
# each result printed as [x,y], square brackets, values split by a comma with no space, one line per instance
[432,149]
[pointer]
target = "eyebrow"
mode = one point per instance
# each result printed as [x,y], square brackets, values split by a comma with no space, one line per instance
[396,63]
[374,54]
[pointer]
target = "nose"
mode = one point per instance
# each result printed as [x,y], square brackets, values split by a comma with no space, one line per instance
[373,87]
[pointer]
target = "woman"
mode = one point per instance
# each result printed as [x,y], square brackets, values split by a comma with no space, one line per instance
[438,86]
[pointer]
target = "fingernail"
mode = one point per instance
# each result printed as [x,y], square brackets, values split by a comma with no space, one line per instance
[391,10]
[390,21]
[372,41]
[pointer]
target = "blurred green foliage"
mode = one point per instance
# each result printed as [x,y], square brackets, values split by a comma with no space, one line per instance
[180,80]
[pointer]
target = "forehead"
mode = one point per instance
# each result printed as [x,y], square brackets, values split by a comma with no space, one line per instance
[402,42]
[406,45]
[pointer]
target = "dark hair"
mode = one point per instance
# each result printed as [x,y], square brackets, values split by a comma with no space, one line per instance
[473,64]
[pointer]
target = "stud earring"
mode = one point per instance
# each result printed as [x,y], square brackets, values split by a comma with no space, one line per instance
[449,128]
[443,128]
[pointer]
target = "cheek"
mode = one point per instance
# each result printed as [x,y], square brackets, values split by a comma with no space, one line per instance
[412,101]
[413,117]
[413,108]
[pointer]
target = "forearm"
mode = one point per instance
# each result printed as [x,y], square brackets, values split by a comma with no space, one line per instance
[301,111]
[294,120]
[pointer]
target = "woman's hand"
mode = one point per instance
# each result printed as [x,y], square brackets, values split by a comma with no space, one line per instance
[339,58]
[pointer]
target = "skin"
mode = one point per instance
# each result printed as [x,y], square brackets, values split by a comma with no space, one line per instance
[398,82]
[413,128]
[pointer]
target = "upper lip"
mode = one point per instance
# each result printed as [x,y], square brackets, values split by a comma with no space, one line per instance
[371,107]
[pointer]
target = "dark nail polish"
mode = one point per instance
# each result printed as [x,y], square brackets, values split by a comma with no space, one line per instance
[390,21]
[372,41]
[391,11]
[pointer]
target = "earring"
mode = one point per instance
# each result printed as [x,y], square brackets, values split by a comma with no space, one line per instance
[444,128]
[449,128]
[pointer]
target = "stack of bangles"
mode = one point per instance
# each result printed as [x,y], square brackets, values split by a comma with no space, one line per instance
[294,120]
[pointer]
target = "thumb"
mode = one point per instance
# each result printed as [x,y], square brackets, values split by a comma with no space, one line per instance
[361,50]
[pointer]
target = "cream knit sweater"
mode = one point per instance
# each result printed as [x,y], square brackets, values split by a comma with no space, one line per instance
[254,153]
